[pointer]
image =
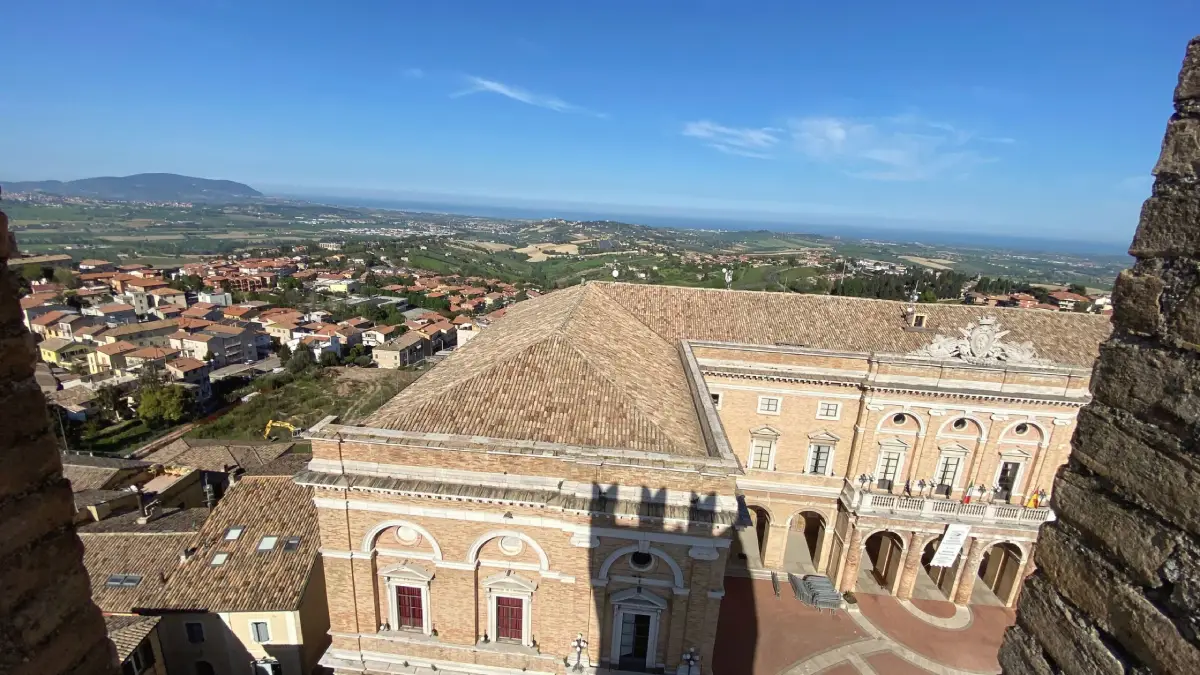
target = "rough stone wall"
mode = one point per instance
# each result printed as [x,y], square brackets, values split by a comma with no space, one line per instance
[48,623]
[1118,582]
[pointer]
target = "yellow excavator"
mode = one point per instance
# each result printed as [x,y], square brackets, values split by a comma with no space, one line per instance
[275,423]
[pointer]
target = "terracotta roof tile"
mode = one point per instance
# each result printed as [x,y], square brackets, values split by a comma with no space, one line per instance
[249,579]
[147,555]
[128,632]
[217,455]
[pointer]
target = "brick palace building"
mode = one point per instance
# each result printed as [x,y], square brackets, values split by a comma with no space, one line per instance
[572,486]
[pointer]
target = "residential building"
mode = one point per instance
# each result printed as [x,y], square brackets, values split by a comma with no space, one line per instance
[166,295]
[42,324]
[109,357]
[218,344]
[1066,301]
[113,313]
[150,333]
[62,352]
[250,596]
[193,372]
[239,313]
[373,337]
[682,432]
[405,350]
[203,310]
[218,298]
[93,265]
[144,356]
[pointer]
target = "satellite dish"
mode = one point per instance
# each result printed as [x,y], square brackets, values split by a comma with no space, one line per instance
[616,273]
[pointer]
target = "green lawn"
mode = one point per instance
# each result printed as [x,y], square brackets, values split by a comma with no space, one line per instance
[350,393]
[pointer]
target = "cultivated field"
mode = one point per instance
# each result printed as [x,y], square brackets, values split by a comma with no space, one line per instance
[932,263]
[538,252]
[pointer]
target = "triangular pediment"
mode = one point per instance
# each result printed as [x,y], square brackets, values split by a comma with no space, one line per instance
[507,581]
[406,571]
[824,435]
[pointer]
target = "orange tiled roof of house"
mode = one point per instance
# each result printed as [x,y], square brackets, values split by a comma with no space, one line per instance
[36,300]
[115,307]
[186,364]
[118,347]
[249,579]
[50,317]
[152,353]
[1067,295]
[165,291]
[189,323]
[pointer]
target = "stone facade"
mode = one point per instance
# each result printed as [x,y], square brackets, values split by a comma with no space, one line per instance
[48,623]
[1118,586]
[945,428]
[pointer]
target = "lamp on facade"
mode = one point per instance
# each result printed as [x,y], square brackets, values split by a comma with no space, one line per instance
[579,644]
[864,480]
[690,663]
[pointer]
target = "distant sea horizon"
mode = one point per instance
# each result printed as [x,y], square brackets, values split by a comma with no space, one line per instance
[960,238]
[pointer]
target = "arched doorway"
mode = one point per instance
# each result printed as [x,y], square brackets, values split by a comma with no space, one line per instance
[885,550]
[762,528]
[942,578]
[805,538]
[1000,570]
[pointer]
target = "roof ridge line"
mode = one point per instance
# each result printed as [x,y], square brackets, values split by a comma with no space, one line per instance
[598,372]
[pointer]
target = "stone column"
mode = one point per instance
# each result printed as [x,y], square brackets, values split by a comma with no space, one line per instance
[777,537]
[1027,568]
[912,565]
[48,623]
[822,565]
[1114,590]
[853,557]
[965,583]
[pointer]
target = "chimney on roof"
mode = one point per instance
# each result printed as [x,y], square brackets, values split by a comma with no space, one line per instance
[187,554]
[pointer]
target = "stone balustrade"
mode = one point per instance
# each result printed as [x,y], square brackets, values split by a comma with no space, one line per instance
[865,502]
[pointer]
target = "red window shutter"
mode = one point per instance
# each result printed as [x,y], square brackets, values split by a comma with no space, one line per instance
[509,618]
[408,606]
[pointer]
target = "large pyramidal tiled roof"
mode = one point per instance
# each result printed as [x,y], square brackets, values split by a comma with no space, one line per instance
[570,367]
[599,365]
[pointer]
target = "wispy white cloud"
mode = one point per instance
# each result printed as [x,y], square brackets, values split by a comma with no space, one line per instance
[479,85]
[414,73]
[902,148]
[744,142]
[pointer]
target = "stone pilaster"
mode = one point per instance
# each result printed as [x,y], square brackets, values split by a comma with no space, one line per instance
[964,585]
[1117,586]
[777,536]
[912,565]
[48,623]
[853,557]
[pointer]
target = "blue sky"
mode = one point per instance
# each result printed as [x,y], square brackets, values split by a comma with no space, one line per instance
[1033,118]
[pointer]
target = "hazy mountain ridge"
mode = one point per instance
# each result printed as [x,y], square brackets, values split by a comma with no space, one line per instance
[147,187]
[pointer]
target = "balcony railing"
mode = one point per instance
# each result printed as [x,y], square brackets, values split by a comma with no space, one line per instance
[882,503]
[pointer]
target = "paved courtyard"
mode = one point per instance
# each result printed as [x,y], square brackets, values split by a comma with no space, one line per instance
[760,634]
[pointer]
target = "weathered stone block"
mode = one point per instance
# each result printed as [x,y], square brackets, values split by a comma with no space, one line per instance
[1098,589]
[1189,76]
[1157,386]
[1022,655]
[1136,299]
[1169,226]
[1180,156]
[1063,632]
[1141,543]
[26,519]
[1148,473]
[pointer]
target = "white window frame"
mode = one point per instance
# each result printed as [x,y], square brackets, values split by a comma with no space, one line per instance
[1021,459]
[808,460]
[778,405]
[630,601]
[837,410]
[508,585]
[412,577]
[893,447]
[254,632]
[771,438]
[946,453]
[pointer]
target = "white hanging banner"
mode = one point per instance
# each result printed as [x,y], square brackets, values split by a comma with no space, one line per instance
[952,543]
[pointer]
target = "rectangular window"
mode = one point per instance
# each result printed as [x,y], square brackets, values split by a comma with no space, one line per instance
[818,459]
[409,611]
[195,632]
[828,411]
[291,543]
[510,619]
[716,399]
[123,580]
[760,453]
[219,559]
[947,475]
[260,631]
[234,532]
[768,405]
[267,543]
[267,668]
[1007,480]
[889,466]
